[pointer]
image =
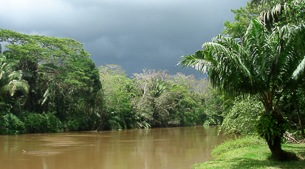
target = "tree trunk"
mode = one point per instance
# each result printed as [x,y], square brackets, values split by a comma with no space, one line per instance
[274,141]
[276,148]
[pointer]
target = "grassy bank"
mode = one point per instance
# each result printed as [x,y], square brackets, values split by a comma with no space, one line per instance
[251,152]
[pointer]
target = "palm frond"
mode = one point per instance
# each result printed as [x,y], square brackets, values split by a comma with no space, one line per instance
[15,75]
[46,95]
[1,74]
[292,55]
[270,17]
[196,61]
[17,85]
[300,68]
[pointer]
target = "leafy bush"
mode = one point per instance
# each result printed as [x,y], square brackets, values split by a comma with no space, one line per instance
[73,125]
[35,123]
[81,123]
[41,123]
[268,127]
[53,123]
[242,117]
[11,124]
[188,118]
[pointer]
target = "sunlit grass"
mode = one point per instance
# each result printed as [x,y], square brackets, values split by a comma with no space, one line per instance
[251,152]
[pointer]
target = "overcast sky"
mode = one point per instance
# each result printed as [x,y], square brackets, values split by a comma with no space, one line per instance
[135,34]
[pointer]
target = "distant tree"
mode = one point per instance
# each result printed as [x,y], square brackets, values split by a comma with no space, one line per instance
[118,92]
[111,69]
[216,106]
[151,85]
[165,100]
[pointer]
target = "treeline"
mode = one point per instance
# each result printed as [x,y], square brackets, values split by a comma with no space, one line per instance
[156,99]
[50,84]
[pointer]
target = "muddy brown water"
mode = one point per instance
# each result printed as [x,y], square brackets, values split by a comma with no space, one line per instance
[166,148]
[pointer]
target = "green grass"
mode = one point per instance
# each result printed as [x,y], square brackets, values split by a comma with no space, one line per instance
[251,152]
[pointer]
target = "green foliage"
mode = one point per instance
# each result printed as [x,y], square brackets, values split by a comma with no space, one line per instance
[268,127]
[242,117]
[118,92]
[73,125]
[293,104]
[49,74]
[82,121]
[261,63]
[53,123]
[216,105]
[11,124]
[188,109]
[244,16]
[152,102]
[165,100]
[41,123]
[116,122]
[150,99]
[12,84]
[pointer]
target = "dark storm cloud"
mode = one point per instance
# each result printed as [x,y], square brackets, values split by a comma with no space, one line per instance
[136,34]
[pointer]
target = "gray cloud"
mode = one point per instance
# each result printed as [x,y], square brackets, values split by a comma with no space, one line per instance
[136,34]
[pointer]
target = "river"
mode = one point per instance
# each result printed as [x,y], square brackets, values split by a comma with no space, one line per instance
[165,148]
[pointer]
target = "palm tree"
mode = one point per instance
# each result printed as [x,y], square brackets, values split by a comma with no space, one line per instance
[11,82]
[264,65]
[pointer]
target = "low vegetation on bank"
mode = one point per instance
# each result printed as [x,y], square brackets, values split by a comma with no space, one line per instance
[251,152]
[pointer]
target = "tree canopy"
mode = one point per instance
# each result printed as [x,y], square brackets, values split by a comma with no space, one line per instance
[57,76]
[50,84]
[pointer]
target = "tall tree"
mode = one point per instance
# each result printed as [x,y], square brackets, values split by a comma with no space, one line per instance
[262,65]
[118,91]
[13,88]
[61,76]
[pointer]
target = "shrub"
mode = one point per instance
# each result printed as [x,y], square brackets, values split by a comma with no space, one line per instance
[53,123]
[35,123]
[268,127]
[11,124]
[242,117]
[41,123]
[73,125]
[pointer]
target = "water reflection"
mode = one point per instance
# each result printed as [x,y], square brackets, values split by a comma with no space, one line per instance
[166,148]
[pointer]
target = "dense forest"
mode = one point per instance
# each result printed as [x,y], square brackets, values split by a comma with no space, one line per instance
[50,84]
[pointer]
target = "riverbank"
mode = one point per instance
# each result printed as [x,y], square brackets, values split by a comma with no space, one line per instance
[251,152]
